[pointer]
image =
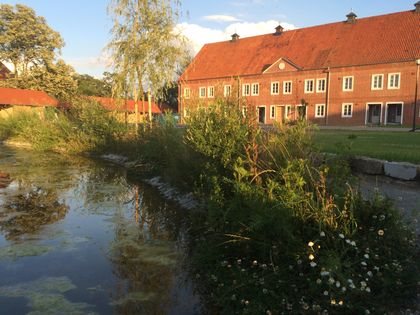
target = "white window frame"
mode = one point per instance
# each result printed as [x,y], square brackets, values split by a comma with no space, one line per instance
[244,111]
[316,111]
[278,88]
[287,111]
[210,89]
[202,88]
[284,87]
[186,113]
[389,81]
[343,106]
[244,87]
[187,95]
[306,86]
[253,86]
[272,113]
[227,90]
[345,89]
[317,85]
[372,87]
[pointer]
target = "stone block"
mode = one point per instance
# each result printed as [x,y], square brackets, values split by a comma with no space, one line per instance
[367,165]
[400,170]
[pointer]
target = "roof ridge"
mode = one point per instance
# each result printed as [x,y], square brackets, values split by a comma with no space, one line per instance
[312,26]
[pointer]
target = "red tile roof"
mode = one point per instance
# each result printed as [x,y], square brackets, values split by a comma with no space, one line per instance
[122,105]
[380,39]
[10,96]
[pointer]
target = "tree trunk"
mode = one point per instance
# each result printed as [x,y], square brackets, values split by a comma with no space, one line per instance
[149,98]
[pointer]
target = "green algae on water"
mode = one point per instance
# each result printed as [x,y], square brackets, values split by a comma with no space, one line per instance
[133,297]
[46,296]
[27,248]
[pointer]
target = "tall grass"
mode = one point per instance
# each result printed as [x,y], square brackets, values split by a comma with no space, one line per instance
[85,127]
[281,233]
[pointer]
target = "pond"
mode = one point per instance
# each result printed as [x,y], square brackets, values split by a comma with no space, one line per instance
[78,237]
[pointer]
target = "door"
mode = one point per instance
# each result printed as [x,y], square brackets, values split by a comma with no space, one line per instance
[394,114]
[374,114]
[261,114]
[280,114]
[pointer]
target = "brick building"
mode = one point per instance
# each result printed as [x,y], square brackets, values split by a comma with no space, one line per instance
[4,71]
[353,72]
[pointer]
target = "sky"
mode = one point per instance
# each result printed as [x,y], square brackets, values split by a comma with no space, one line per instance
[84,24]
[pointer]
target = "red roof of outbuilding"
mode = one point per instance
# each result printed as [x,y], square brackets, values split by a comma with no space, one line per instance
[9,96]
[122,105]
[380,39]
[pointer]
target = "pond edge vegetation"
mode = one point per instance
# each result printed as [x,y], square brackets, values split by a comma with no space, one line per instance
[281,231]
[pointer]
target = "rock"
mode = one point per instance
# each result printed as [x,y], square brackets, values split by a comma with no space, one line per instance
[367,165]
[114,158]
[399,170]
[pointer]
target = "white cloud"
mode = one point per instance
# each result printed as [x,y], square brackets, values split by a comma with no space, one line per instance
[199,35]
[101,61]
[220,18]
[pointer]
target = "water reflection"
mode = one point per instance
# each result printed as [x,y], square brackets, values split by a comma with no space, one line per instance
[119,245]
[26,213]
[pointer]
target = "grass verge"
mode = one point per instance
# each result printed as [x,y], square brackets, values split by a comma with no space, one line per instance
[391,146]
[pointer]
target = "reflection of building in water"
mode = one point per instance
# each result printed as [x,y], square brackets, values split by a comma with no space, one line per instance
[27,213]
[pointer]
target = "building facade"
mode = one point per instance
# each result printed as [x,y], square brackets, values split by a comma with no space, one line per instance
[350,73]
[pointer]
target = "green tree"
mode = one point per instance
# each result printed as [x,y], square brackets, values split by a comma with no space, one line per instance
[90,86]
[146,48]
[56,79]
[26,40]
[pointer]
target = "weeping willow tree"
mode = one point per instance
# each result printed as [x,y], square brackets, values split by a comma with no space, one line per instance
[146,49]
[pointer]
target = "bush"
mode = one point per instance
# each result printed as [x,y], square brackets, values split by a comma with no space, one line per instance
[85,127]
[281,236]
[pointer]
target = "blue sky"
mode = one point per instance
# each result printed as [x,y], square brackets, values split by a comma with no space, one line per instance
[84,24]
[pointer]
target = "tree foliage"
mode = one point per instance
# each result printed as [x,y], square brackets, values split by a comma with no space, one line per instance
[56,79]
[26,40]
[90,86]
[146,48]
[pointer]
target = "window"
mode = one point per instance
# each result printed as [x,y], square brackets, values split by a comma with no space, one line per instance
[377,82]
[255,89]
[186,114]
[275,88]
[347,111]
[393,81]
[309,86]
[202,92]
[288,111]
[244,110]
[347,84]
[187,93]
[272,111]
[287,87]
[210,92]
[227,90]
[246,90]
[321,85]
[320,110]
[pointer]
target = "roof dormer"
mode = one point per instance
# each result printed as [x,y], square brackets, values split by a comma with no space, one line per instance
[351,17]
[279,30]
[235,38]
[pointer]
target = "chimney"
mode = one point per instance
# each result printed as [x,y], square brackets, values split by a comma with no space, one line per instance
[235,37]
[417,5]
[279,30]
[351,17]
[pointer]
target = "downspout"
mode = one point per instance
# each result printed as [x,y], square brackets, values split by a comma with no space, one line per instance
[415,114]
[327,96]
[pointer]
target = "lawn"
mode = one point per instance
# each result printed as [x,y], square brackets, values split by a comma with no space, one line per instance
[391,146]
